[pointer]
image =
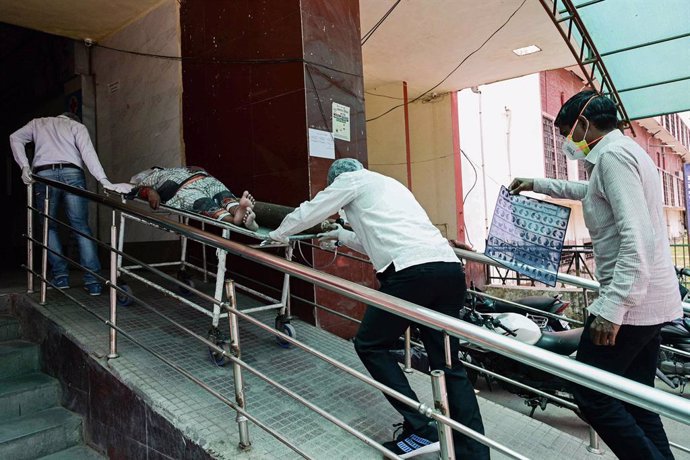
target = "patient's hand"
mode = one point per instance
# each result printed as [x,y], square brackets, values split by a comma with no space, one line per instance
[154,199]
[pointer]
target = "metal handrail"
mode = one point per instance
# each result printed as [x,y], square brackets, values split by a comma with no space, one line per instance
[596,379]
[562,277]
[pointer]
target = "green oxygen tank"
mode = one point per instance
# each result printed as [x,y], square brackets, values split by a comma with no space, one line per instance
[271,215]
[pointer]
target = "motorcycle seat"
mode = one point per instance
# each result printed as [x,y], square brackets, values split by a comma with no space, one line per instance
[542,303]
[561,342]
[676,330]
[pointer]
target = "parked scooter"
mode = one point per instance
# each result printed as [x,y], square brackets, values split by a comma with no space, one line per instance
[523,329]
[549,304]
[674,369]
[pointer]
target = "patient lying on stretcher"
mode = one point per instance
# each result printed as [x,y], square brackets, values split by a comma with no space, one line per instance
[193,189]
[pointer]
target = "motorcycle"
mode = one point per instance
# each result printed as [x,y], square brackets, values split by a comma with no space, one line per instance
[674,369]
[523,329]
[549,304]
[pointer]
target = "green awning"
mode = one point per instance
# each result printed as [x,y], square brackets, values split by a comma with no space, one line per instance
[645,47]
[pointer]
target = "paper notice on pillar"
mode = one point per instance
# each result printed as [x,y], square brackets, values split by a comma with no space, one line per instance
[527,236]
[321,144]
[341,122]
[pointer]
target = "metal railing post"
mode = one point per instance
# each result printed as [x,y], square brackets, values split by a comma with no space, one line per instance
[44,255]
[30,235]
[408,351]
[445,433]
[593,446]
[242,425]
[113,292]
[204,263]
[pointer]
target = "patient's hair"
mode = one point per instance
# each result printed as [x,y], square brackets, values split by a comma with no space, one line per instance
[340,166]
[601,111]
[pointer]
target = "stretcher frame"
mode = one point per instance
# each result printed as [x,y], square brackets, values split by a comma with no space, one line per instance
[282,305]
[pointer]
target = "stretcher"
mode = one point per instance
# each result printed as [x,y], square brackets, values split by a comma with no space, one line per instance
[282,305]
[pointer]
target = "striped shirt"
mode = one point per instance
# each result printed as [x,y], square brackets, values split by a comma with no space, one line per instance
[623,210]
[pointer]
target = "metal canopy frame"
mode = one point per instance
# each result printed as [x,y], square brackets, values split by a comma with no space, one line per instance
[567,20]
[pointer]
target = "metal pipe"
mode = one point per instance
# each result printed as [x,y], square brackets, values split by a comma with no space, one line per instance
[562,277]
[189,375]
[446,348]
[525,307]
[235,349]
[113,291]
[481,151]
[420,407]
[560,401]
[579,373]
[203,255]
[445,434]
[44,254]
[679,447]
[408,351]
[29,243]
[593,446]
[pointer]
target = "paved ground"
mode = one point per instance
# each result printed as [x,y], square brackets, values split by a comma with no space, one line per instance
[211,423]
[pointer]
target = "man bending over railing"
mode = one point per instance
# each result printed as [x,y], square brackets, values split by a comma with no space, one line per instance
[413,262]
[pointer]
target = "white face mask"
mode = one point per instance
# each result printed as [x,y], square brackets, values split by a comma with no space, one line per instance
[572,150]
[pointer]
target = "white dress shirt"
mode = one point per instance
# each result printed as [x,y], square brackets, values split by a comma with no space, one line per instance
[58,140]
[623,210]
[389,224]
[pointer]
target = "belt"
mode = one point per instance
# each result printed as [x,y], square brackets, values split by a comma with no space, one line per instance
[56,166]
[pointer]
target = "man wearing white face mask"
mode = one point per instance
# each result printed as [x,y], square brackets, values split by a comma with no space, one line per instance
[623,210]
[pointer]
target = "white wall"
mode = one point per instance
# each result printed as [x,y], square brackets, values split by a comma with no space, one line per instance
[140,124]
[431,150]
[522,97]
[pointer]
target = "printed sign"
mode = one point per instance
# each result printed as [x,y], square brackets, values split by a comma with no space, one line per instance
[341,121]
[321,144]
[527,236]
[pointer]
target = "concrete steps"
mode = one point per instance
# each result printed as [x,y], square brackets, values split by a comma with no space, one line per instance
[39,434]
[33,425]
[74,453]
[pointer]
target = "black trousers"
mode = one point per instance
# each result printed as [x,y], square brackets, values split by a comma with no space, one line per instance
[439,286]
[630,432]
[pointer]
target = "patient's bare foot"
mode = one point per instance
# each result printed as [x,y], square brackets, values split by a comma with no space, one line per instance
[240,212]
[249,220]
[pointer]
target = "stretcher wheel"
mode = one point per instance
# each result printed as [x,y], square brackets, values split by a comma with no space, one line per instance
[217,358]
[123,298]
[287,329]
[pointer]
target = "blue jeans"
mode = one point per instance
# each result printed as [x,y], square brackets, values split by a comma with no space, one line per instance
[77,211]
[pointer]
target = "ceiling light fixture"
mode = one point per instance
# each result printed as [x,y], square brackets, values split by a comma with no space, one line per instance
[531,49]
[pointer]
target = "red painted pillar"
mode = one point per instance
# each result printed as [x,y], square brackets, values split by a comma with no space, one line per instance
[260,73]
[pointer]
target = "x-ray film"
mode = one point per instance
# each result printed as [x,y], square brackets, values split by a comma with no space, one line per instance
[527,236]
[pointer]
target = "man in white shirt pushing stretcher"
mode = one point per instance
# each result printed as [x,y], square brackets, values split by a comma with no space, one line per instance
[413,262]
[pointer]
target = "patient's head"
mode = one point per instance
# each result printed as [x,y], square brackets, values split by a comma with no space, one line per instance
[138,177]
[340,166]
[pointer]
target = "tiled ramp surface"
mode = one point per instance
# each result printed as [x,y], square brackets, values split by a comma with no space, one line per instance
[211,423]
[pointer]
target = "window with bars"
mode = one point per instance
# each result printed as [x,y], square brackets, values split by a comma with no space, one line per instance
[582,173]
[555,162]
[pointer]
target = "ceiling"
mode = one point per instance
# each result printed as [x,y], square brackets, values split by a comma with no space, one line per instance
[80,19]
[422,41]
